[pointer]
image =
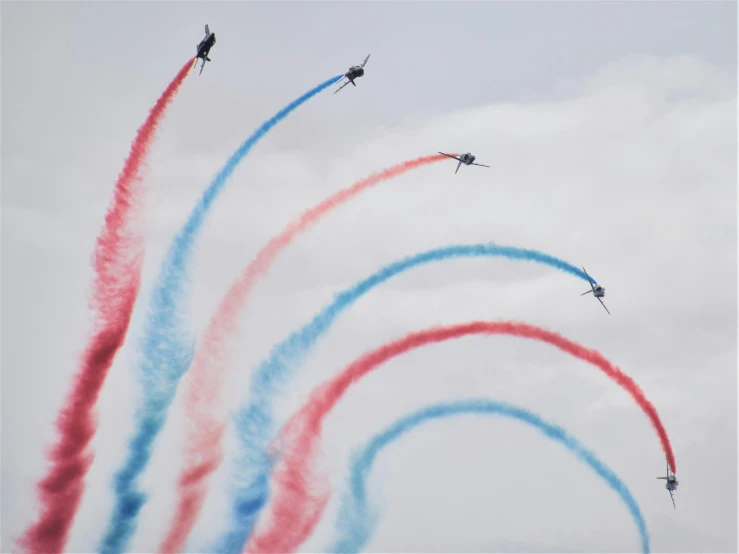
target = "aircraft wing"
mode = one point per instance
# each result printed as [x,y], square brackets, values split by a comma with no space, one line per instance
[207,31]
[673,500]
[481,165]
[342,86]
[450,156]
[365,60]
[601,301]
[202,67]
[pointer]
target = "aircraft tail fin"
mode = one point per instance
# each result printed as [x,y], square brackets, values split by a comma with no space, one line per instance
[586,292]
[458,166]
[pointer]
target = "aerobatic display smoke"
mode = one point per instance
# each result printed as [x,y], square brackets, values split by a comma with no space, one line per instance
[357,520]
[117,266]
[255,423]
[167,346]
[291,511]
[205,378]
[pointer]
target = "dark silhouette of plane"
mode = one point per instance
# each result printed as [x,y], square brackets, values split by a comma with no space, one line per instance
[354,72]
[466,159]
[204,47]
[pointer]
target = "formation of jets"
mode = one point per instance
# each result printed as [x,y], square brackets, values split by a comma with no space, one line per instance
[671,484]
[357,71]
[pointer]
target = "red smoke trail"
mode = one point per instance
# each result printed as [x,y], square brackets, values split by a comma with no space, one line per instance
[205,377]
[294,511]
[117,262]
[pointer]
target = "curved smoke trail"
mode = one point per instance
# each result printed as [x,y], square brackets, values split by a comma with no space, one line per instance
[357,521]
[203,450]
[166,347]
[255,422]
[293,512]
[117,263]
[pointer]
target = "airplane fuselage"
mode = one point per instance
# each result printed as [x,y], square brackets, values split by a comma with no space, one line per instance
[354,72]
[205,45]
[467,159]
[599,292]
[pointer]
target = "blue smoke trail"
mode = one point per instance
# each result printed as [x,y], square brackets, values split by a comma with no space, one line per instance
[167,347]
[255,422]
[357,521]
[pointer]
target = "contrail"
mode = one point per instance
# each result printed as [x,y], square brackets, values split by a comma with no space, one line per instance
[166,348]
[255,422]
[357,521]
[291,510]
[117,263]
[203,450]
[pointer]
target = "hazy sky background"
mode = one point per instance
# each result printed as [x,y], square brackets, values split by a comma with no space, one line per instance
[611,132]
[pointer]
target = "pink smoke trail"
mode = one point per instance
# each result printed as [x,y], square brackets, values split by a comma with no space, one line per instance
[205,379]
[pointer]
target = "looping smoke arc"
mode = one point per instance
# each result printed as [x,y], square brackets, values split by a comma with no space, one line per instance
[255,422]
[357,520]
[288,523]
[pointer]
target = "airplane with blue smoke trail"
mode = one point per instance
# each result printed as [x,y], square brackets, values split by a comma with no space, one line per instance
[355,72]
[598,291]
[256,423]
[167,343]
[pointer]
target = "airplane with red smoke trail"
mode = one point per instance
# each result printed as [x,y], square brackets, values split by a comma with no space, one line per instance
[466,159]
[671,484]
[204,47]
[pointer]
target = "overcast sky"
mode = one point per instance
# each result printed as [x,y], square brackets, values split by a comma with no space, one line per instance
[611,132]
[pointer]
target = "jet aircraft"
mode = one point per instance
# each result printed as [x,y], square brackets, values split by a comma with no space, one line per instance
[466,159]
[598,291]
[204,47]
[671,484]
[354,72]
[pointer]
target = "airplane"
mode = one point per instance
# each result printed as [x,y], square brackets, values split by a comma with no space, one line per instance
[204,47]
[354,72]
[466,159]
[598,291]
[671,484]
